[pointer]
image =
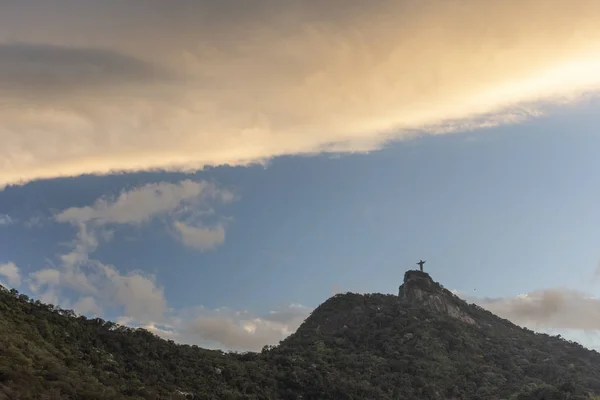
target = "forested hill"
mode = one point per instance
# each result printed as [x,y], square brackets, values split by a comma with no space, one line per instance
[424,343]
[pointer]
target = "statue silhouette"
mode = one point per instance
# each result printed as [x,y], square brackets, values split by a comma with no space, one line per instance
[420,264]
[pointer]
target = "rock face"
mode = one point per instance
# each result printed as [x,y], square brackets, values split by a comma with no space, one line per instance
[419,288]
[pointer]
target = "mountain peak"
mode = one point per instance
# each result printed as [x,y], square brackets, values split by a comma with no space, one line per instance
[416,275]
[420,289]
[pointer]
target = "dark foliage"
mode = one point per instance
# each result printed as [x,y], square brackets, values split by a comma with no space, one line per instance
[351,347]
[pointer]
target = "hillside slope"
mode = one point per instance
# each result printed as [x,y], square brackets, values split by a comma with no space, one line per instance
[425,343]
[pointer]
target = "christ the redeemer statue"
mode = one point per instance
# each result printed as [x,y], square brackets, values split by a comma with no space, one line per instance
[420,264]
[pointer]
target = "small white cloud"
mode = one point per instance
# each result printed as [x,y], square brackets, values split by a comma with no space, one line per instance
[5,220]
[11,272]
[142,299]
[85,242]
[68,277]
[44,277]
[202,238]
[187,199]
[51,296]
[87,305]
[141,204]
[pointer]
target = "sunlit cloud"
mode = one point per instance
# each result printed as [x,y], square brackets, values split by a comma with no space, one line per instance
[142,203]
[99,87]
[187,203]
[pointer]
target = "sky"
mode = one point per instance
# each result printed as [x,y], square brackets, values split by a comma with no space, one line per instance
[213,171]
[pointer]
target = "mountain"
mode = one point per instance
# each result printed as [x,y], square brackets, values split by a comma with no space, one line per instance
[424,343]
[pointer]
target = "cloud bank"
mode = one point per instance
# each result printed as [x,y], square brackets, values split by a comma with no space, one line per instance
[238,330]
[99,87]
[554,308]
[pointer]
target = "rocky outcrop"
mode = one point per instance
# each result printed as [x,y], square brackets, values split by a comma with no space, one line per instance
[419,288]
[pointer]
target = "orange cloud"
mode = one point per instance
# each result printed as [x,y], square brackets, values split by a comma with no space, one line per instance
[99,87]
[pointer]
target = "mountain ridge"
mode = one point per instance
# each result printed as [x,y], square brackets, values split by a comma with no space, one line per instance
[424,343]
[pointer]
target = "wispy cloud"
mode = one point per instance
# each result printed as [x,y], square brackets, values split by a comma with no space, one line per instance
[5,220]
[189,84]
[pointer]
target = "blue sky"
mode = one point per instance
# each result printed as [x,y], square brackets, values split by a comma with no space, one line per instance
[213,171]
[495,212]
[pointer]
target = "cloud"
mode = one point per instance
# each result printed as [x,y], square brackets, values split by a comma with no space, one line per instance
[87,305]
[44,277]
[187,199]
[10,271]
[137,294]
[40,67]
[5,220]
[554,308]
[100,284]
[99,87]
[201,238]
[85,242]
[230,329]
[70,276]
[142,203]
[140,296]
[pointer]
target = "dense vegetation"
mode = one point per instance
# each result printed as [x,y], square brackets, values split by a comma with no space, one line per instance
[351,347]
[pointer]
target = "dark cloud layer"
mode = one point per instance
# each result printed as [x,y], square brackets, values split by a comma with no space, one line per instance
[35,66]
